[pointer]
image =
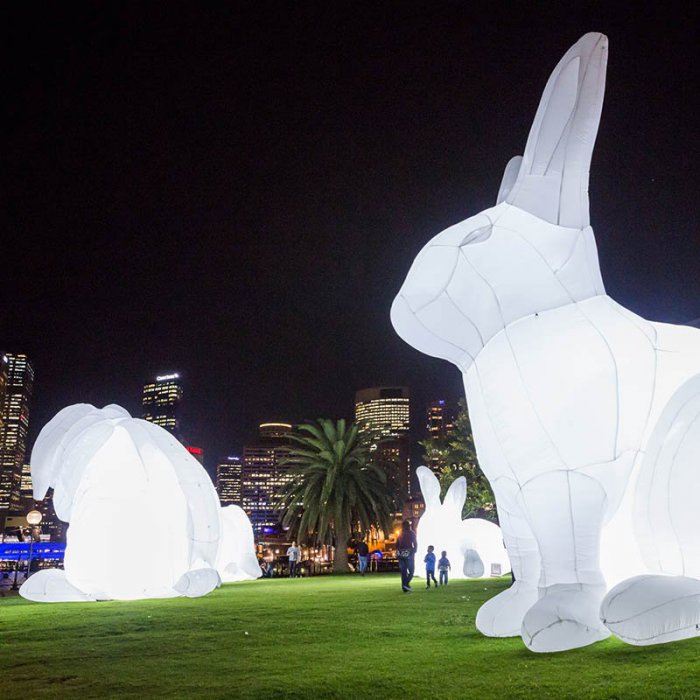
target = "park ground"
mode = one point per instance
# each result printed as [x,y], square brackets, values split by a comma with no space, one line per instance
[325,637]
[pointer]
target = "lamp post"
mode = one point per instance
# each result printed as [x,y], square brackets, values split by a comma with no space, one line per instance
[34,518]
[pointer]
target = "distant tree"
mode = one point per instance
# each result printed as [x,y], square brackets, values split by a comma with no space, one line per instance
[334,486]
[455,456]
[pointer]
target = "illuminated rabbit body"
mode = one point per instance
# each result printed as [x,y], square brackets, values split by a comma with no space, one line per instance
[564,385]
[473,546]
[144,516]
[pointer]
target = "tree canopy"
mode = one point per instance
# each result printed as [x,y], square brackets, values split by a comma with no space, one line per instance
[455,456]
[334,485]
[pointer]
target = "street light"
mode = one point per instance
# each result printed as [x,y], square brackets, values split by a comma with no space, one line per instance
[34,517]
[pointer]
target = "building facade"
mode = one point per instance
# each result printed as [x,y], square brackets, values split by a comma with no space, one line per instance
[382,415]
[440,426]
[264,477]
[229,481]
[18,380]
[440,423]
[161,402]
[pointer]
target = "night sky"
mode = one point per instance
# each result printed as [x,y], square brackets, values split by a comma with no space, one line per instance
[237,193]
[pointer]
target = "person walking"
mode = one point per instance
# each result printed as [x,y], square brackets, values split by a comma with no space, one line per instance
[443,568]
[293,554]
[430,566]
[406,546]
[363,557]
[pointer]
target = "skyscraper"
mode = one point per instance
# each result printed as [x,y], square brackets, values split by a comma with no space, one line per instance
[26,492]
[229,483]
[440,426]
[440,420]
[264,477]
[161,402]
[383,418]
[18,375]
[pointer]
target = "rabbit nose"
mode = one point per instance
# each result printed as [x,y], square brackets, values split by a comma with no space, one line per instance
[477,235]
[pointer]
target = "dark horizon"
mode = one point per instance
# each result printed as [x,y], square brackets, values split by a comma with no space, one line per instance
[237,193]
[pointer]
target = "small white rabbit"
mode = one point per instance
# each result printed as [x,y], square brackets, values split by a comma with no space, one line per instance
[586,417]
[236,560]
[144,515]
[473,546]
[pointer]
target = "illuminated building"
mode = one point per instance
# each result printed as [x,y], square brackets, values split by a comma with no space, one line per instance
[161,402]
[197,453]
[440,426]
[3,387]
[413,508]
[18,379]
[275,430]
[264,477]
[382,415]
[54,529]
[441,420]
[229,475]
[25,490]
[382,412]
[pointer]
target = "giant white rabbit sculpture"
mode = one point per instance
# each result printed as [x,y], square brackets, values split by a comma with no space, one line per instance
[474,546]
[145,520]
[586,417]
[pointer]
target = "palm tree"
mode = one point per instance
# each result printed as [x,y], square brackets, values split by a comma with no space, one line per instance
[334,485]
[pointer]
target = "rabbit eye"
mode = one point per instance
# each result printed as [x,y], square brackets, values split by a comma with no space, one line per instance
[477,235]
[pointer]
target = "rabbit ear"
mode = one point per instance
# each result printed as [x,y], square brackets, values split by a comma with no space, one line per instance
[429,486]
[553,179]
[510,176]
[456,495]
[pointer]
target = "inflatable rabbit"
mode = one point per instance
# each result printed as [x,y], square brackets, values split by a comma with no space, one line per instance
[144,516]
[236,560]
[586,417]
[473,546]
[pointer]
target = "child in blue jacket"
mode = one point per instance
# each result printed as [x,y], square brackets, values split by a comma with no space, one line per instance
[430,566]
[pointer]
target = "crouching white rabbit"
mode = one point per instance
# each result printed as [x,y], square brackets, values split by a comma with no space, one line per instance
[474,546]
[586,417]
[143,513]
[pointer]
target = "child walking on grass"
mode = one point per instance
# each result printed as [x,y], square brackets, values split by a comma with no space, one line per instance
[430,566]
[443,568]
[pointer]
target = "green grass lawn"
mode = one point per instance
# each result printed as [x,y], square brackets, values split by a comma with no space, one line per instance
[326,637]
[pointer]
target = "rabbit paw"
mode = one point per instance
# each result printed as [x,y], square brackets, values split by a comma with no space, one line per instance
[502,615]
[567,617]
[52,586]
[653,609]
[197,582]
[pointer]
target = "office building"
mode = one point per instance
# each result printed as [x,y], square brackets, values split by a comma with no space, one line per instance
[161,402]
[18,379]
[26,492]
[264,477]
[440,420]
[440,426]
[229,484]
[383,418]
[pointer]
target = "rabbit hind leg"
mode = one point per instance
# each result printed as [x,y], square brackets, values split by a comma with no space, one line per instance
[652,609]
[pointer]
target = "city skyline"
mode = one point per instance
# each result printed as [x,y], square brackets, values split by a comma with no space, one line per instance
[383,413]
[240,196]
